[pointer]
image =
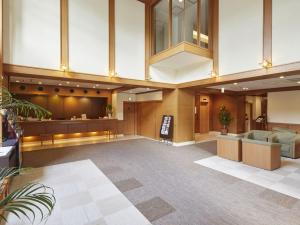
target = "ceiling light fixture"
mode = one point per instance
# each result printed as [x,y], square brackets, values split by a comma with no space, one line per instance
[77,85]
[17,81]
[245,88]
[40,82]
[298,82]
[222,90]
[59,84]
[68,82]
[235,83]
[281,77]
[213,74]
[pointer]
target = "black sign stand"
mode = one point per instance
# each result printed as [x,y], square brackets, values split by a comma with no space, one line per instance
[166,128]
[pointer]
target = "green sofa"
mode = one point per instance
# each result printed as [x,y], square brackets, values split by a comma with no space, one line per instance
[289,140]
[258,135]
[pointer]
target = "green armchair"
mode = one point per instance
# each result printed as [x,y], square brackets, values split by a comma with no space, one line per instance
[290,143]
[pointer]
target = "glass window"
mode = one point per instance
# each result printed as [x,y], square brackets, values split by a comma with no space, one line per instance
[204,16]
[190,21]
[177,21]
[161,26]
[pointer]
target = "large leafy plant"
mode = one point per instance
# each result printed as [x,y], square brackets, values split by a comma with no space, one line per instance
[33,200]
[17,107]
[224,116]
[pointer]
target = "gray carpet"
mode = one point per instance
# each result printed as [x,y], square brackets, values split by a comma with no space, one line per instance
[168,188]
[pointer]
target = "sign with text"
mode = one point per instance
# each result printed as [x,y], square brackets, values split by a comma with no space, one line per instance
[166,128]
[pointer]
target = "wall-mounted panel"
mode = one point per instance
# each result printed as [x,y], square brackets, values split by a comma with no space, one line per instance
[130,39]
[32,33]
[282,111]
[88,36]
[240,35]
[286,31]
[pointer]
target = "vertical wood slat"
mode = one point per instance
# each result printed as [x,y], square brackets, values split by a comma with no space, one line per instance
[147,38]
[170,23]
[198,21]
[64,26]
[214,36]
[112,40]
[267,32]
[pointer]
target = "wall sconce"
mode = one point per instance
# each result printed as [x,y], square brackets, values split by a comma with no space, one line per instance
[148,78]
[266,64]
[213,74]
[63,67]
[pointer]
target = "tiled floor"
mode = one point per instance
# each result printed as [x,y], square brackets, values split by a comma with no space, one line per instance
[85,196]
[285,180]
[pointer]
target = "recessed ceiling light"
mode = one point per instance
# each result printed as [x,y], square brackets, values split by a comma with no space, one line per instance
[94,87]
[68,82]
[17,81]
[77,85]
[281,77]
[40,82]
[245,88]
[235,83]
[97,85]
[59,84]
[147,89]
[298,82]
[108,88]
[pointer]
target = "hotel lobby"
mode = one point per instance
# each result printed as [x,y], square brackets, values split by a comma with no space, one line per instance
[140,112]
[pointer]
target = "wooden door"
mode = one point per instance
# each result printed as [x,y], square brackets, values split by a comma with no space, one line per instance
[130,118]
[204,117]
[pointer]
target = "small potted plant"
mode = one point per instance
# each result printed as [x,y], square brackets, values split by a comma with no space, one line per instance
[225,119]
[109,110]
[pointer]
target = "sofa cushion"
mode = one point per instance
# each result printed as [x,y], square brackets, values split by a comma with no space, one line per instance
[280,129]
[260,135]
[284,137]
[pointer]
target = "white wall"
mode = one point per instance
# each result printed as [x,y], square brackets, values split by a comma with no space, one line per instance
[32,33]
[89,36]
[193,72]
[130,39]
[284,107]
[151,96]
[240,35]
[286,31]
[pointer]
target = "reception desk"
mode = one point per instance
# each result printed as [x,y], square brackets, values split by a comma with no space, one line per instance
[50,128]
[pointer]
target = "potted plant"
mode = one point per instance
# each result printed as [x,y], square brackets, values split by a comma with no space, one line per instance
[109,110]
[32,199]
[225,119]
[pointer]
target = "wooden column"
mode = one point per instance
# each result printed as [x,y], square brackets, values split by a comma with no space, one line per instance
[215,34]
[112,40]
[64,41]
[147,39]
[267,39]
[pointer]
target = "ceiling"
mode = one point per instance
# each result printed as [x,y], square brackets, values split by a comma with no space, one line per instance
[139,90]
[180,60]
[28,80]
[279,82]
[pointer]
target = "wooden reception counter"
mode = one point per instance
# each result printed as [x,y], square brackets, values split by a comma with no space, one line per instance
[50,128]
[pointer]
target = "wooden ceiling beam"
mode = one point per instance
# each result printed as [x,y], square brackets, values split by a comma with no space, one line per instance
[80,77]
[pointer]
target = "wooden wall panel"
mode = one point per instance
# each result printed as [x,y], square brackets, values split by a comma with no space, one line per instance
[130,118]
[236,106]
[65,107]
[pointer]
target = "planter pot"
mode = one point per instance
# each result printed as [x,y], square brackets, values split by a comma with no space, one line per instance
[224,131]
[109,115]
